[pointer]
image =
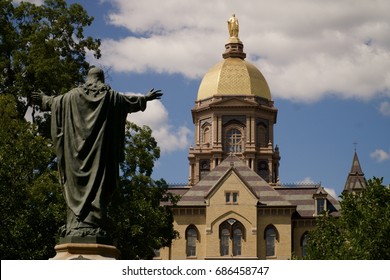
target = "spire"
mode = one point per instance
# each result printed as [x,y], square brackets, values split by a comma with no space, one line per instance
[356,180]
[234,48]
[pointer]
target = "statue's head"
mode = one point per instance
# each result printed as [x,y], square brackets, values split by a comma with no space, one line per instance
[95,74]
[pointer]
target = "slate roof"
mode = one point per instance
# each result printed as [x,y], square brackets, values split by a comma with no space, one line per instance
[302,197]
[196,195]
[299,196]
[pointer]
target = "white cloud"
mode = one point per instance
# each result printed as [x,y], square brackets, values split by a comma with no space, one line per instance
[306,181]
[384,108]
[168,137]
[309,180]
[380,155]
[306,50]
[36,2]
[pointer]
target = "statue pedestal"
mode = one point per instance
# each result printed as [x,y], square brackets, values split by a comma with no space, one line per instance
[86,251]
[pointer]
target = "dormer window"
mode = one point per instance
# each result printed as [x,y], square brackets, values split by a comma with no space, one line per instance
[320,201]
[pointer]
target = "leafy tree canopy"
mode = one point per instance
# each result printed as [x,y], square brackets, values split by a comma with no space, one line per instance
[43,48]
[362,231]
[31,203]
[141,224]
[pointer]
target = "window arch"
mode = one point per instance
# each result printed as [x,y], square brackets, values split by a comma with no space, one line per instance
[234,140]
[231,231]
[304,239]
[238,235]
[192,236]
[271,235]
[206,134]
[225,236]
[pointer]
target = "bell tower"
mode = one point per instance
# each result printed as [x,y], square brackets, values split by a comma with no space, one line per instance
[234,114]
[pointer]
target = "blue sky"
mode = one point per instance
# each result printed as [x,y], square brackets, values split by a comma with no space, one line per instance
[327,64]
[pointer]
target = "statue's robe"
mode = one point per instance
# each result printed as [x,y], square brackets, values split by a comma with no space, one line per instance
[88,133]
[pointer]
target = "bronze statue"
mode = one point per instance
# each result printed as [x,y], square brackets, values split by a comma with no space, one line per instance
[88,129]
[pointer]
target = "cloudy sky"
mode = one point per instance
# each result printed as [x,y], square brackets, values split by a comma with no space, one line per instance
[327,64]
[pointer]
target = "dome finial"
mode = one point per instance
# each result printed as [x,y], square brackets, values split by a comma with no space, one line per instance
[234,47]
[233,26]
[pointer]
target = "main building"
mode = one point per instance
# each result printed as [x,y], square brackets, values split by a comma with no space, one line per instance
[234,206]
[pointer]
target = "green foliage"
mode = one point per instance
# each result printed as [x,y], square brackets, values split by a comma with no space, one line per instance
[31,203]
[362,231]
[42,48]
[140,223]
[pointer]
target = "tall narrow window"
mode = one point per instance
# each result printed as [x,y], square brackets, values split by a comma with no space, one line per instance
[227,197]
[225,236]
[231,232]
[270,239]
[237,239]
[304,244]
[262,136]
[192,237]
[206,135]
[320,205]
[235,195]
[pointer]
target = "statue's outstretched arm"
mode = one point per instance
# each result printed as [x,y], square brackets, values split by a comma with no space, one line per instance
[42,100]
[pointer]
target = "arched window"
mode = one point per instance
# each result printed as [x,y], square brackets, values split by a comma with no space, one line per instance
[233,141]
[206,135]
[237,240]
[225,236]
[191,237]
[271,235]
[232,230]
[304,243]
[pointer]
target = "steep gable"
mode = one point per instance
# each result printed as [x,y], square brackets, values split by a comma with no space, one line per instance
[261,190]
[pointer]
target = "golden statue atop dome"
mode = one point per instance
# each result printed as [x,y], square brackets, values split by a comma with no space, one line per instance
[233,26]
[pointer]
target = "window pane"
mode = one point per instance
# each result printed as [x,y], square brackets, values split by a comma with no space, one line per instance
[227,196]
[233,141]
[304,242]
[320,205]
[235,197]
[192,236]
[225,242]
[270,242]
[237,238]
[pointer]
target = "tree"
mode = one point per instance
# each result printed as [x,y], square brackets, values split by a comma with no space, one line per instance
[362,231]
[140,223]
[31,203]
[42,48]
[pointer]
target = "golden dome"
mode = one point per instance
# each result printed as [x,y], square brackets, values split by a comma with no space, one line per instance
[233,76]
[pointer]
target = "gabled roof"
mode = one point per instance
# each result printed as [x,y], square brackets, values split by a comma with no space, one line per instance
[355,180]
[302,197]
[265,194]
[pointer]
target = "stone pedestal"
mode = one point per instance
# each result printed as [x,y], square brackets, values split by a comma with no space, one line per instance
[86,251]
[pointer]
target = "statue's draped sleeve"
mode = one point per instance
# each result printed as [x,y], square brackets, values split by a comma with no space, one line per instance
[88,134]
